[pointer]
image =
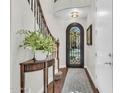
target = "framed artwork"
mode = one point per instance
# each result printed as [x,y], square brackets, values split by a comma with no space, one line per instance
[89,35]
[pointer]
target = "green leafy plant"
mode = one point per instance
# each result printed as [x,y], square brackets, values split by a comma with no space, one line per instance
[37,41]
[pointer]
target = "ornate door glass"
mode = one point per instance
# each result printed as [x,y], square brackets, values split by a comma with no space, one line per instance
[74,51]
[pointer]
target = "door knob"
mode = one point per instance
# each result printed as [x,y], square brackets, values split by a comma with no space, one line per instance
[110,54]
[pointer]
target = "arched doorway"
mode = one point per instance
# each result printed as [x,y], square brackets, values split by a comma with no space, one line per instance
[75,45]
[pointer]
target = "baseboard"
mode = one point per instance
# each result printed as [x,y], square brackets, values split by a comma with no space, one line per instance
[62,66]
[95,90]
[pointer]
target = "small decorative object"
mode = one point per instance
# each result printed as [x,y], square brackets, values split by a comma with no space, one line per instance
[40,44]
[89,35]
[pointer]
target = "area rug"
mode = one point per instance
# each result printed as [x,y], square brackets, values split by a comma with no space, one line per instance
[76,82]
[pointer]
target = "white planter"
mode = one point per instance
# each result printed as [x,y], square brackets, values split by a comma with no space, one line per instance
[40,55]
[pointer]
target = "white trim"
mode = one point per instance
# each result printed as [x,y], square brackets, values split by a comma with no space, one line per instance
[93,79]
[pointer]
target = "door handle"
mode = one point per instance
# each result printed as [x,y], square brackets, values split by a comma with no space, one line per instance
[110,55]
[108,63]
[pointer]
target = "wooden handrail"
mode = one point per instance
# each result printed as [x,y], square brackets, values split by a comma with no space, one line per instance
[47,65]
[44,19]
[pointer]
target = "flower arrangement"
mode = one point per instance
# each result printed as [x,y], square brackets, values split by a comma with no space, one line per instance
[37,41]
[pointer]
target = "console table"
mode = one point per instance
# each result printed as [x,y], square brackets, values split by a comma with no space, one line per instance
[30,66]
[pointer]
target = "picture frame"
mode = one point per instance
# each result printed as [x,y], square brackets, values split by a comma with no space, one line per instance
[89,35]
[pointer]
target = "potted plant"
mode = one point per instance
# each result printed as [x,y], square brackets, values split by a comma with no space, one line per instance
[40,44]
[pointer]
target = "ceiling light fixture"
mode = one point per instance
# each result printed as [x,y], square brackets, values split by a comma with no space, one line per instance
[74,14]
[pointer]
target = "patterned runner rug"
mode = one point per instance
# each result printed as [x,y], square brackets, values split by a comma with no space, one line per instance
[76,82]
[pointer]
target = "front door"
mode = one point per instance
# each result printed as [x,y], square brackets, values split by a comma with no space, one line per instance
[75,45]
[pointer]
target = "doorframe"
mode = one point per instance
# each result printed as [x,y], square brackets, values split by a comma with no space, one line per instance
[81,43]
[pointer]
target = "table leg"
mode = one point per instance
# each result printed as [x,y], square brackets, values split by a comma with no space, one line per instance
[45,78]
[53,77]
[22,77]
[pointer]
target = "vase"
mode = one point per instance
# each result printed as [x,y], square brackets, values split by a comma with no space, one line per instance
[40,55]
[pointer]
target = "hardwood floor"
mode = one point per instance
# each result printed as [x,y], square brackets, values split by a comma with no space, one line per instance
[59,83]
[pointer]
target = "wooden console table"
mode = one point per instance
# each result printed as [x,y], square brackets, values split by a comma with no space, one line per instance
[30,66]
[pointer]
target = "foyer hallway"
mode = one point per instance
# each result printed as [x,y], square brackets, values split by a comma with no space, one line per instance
[52,17]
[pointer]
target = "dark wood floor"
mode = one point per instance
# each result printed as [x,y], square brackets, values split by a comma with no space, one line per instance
[59,83]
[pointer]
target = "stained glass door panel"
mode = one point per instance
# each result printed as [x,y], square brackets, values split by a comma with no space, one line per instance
[74,45]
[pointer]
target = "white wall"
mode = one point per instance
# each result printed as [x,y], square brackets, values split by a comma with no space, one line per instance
[97,54]
[104,45]
[58,27]
[21,18]
[91,50]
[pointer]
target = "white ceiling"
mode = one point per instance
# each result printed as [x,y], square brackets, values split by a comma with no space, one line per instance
[66,13]
[63,8]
